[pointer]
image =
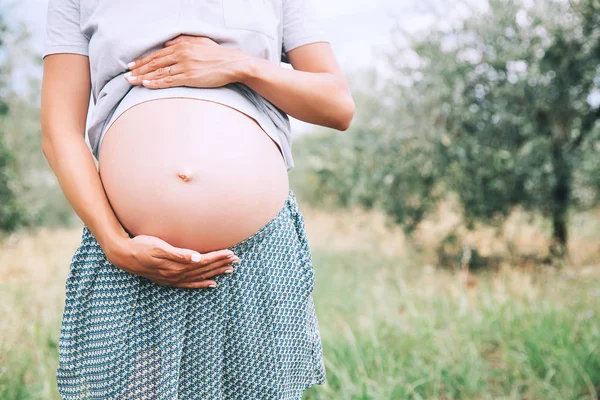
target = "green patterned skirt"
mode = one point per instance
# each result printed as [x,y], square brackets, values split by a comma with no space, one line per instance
[254,336]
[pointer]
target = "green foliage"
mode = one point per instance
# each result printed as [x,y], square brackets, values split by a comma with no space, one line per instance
[511,91]
[36,185]
[29,192]
[501,110]
[11,212]
[375,164]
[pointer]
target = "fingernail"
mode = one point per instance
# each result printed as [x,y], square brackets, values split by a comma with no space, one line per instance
[131,64]
[236,261]
[145,81]
[212,285]
[229,271]
[131,78]
[127,74]
[196,257]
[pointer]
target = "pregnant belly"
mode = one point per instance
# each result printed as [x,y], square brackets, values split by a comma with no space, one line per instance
[195,173]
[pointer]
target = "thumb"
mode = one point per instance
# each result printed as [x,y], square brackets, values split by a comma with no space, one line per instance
[181,255]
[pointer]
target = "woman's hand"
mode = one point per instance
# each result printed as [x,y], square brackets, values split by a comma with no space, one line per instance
[194,61]
[155,259]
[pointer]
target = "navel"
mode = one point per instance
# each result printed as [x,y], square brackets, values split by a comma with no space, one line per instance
[185,175]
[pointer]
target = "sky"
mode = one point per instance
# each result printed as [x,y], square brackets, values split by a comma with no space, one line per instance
[359,29]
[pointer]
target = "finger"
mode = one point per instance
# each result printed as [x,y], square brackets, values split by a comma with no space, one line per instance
[202,278]
[138,80]
[180,255]
[215,256]
[161,72]
[208,271]
[176,254]
[206,284]
[197,269]
[155,64]
[157,54]
[167,81]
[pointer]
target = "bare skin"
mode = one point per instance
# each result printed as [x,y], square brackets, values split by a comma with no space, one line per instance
[195,173]
[315,91]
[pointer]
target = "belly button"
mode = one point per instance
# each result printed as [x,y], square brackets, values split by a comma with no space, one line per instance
[185,175]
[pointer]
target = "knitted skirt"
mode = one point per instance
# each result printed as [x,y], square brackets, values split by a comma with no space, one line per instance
[254,336]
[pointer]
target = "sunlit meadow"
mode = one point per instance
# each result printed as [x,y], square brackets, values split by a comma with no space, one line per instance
[394,326]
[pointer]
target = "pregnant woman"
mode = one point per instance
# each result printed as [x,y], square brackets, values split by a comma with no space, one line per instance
[193,278]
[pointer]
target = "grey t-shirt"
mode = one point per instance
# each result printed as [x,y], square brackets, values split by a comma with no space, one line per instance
[113,33]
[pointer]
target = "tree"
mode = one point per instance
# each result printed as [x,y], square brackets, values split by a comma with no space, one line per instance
[377,163]
[514,95]
[501,109]
[11,214]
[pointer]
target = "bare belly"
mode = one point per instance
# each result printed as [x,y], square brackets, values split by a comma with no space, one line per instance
[195,173]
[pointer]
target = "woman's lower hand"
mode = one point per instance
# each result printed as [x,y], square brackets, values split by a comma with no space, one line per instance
[195,61]
[158,261]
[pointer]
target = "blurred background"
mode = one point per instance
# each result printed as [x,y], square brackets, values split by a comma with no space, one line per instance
[455,226]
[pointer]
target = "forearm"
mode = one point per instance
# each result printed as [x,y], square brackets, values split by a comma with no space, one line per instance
[74,167]
[316,97]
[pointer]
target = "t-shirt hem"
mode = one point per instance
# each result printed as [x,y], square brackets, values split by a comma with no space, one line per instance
[295,43]
[65,48]
[241,104]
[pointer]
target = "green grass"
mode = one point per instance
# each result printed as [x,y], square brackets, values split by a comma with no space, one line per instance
[387,336]
[28,345]
[390,330]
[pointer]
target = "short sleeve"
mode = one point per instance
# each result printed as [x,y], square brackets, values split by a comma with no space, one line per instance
[301,25]
[63,30]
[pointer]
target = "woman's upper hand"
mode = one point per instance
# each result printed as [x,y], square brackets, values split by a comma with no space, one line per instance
[195,61]
[158,261]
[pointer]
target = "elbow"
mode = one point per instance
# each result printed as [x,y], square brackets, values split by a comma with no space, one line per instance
[345,113]
[46,142]
[46,146]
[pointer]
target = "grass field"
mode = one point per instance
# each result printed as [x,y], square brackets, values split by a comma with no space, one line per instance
[393,325]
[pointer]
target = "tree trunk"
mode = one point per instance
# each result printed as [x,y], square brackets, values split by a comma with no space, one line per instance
[561,196]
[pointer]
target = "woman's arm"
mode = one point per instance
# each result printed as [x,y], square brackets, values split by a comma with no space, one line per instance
[65,99]
[315,91]
[64,104]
